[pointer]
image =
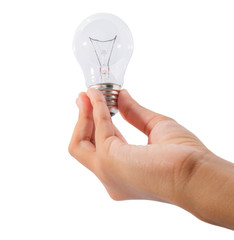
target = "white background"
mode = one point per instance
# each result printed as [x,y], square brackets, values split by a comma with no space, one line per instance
[182,66]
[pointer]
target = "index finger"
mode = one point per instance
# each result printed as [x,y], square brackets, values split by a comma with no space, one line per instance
[101,115]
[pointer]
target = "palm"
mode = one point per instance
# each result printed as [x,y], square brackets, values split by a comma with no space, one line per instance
[170,147]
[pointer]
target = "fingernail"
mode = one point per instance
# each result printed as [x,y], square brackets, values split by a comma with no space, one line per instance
[125,91]
[89,92]
[78,101]
[93,94]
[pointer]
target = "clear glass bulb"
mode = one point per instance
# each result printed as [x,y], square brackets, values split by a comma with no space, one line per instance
[103,46]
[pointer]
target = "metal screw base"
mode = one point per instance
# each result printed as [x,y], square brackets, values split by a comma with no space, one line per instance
[110,92]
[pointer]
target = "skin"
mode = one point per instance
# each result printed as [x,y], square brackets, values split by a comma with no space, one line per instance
[174,167]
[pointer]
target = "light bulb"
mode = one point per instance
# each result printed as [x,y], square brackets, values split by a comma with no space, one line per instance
[103,46]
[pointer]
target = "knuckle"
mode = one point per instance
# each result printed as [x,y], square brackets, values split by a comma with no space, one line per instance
[154,121]
[104,117]
[71,149]
[108,144]
[99,101]
[101,116]
[128,108]
[115,196]
[101,119]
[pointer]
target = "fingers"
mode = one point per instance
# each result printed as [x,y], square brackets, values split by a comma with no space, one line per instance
[102,118]
[135,114]
[85,122]
[81,146]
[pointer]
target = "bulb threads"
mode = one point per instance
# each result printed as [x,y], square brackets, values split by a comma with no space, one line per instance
[110,92]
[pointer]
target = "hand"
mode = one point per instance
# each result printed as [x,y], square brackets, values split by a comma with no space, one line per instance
[157,171]
[174,167]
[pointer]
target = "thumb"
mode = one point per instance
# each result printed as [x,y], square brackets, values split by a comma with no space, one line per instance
[140,117]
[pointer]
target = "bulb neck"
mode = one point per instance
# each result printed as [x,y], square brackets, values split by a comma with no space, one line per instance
[110,92]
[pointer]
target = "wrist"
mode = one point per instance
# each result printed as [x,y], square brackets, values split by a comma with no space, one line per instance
[208,191]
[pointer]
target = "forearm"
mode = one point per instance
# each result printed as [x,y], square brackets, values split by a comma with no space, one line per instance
[209,194]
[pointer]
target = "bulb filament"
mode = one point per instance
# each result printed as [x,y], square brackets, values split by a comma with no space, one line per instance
[103,51]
